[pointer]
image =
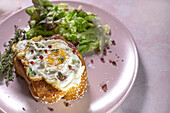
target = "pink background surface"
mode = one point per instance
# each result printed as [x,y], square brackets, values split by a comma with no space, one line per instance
[149,23]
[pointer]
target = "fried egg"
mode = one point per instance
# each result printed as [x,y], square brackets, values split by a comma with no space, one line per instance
[52,60]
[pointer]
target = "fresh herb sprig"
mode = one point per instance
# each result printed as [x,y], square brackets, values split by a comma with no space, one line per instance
[62,59]
[55,50]
[6,58]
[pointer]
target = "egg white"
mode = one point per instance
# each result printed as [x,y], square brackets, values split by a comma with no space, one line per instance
[31,50]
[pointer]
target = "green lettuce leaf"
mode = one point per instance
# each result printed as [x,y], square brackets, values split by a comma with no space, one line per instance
[82,29]
[30,10]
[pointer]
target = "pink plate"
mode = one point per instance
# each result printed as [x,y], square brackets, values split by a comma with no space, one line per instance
[119,79]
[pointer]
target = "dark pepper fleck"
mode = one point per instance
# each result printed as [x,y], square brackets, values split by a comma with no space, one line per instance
[114,63]
[104,87]
[23,109]
[66,104]
[50,108]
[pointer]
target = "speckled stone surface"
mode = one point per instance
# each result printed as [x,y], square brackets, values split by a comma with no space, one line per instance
[149,23]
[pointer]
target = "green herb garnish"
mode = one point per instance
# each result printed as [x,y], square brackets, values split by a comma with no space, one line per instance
[62,59]
[36,44]
[29,69]
[6,59]
[32,73]
[34,57]
[61,76]
[55,50]
[29,43]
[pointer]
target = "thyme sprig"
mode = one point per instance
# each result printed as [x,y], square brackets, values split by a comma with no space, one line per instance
[6,58]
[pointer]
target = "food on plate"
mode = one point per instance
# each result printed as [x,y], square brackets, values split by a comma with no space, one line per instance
[104,87]
[83,29]
[52,67]
[50,108]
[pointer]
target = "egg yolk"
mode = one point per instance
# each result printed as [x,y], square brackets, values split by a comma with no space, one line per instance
[60,56]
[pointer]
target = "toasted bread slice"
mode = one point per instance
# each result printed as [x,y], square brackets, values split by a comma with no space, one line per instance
[46,93]
[75,93]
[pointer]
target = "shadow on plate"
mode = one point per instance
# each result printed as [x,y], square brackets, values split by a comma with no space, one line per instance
[23,86]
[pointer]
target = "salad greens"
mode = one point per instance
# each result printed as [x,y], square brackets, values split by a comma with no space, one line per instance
[83,29]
